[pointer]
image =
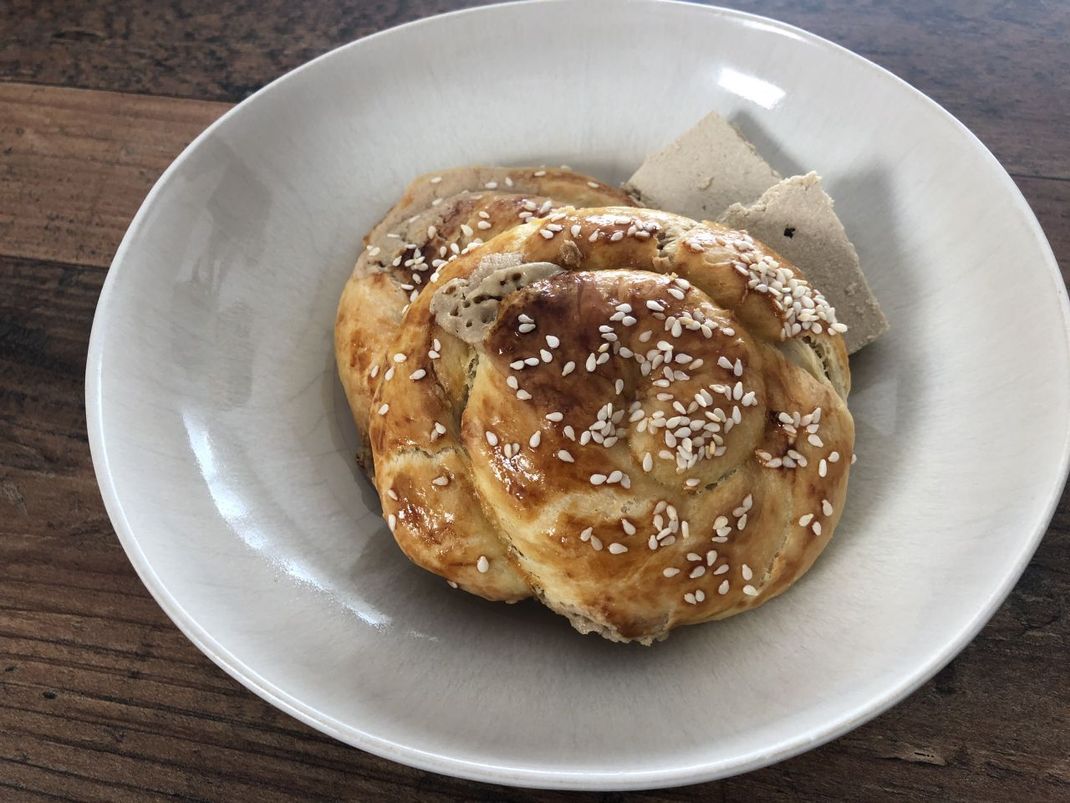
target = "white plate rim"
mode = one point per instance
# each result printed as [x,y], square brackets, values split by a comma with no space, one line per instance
[514,776]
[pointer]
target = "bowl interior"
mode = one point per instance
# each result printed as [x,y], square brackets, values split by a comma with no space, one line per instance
[225,449]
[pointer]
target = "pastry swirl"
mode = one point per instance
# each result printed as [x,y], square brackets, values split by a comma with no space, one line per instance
[637,418]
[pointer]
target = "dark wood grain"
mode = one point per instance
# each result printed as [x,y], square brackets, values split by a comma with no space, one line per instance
[999,66]
[77,165]
[101,698]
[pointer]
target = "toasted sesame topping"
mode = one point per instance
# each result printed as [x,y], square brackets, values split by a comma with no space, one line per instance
[418,374]
[750,591]
[586,534]
[826,507]
[670,571]
[627,526]
[384,408]
[598,479]
[617,548]
[555,416]
[492,439]
[441,481]
[483,565]
[565,457]
[535,439]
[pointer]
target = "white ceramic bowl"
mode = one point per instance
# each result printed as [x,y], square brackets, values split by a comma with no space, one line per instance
[224,448]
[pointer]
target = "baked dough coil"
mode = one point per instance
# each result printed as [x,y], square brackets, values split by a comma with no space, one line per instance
[639,419]
[439,217]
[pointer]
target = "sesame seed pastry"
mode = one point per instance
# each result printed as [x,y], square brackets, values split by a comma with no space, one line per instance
[638,419]
[439,216]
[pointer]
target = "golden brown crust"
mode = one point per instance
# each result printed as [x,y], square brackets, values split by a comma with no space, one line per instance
[439,216]
[679,503]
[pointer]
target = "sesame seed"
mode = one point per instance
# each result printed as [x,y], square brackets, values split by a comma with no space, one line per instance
[512,382]
[711,557]
[586,534]
[596,542]
[483,565]
[523,395]
[750,591]
[591,363]
[492,439]
[670,571]
[436,179]
[648,462]
[439,428]
[524,328]
[592,184]
[546,233]
[700,595]
[746,571]
[418,374]
[532,361]
[483,224]
[555,416]
[816,527]
[491,185]
[564,456]
[598,479]
[722,589]
[441,481]
[854,459]
[374,371]
[693,482]
[616,236]
[614,476]
[814,440]
[384,408]
[392,521]
[516,365]
[826,507]
[618,386]
[617,548]
[627,526]
[539,173]
[392,494]
[698,571]
[535,439]
[689,598]
[834,457]
[570,366]
[822,468]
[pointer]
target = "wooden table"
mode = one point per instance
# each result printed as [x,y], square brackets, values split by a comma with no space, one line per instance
[102,698]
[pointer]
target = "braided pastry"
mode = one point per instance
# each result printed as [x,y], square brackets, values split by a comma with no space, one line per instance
[637,418]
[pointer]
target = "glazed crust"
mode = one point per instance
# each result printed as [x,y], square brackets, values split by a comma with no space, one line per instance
[656,435]
[439,216]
